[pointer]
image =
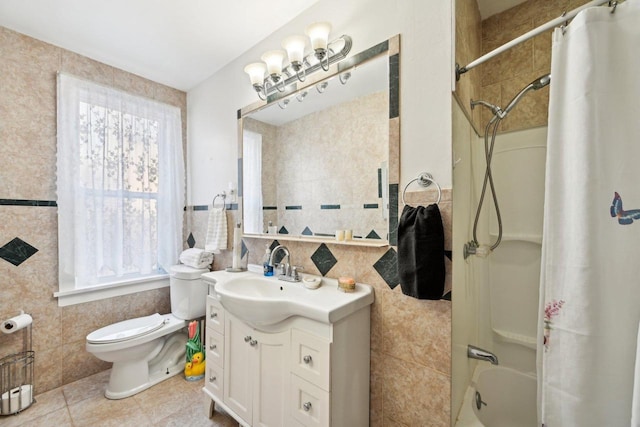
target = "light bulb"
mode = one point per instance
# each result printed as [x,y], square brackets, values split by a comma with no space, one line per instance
[273,59]
[295,50]
[256,73]
[318,33]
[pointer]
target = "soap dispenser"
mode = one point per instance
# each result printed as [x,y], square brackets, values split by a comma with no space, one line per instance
[266,268]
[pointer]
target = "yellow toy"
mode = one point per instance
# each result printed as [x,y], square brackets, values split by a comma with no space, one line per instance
[197,364]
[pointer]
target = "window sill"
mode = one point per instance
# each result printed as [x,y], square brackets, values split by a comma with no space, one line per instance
[111,290]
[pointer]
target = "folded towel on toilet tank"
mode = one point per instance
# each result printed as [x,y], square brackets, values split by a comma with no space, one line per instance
[196,258]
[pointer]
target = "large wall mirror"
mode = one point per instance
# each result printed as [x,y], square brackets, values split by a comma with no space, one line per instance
[323,156]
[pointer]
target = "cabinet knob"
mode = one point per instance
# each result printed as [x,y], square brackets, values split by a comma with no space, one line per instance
[306,406]
[214,315]
[253,343]
[247,338]
[307,359]
[212,347]
[212,379]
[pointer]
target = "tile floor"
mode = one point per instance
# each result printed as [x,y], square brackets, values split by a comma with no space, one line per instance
[174,402]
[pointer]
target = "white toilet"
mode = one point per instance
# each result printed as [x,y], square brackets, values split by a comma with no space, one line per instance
[150,349]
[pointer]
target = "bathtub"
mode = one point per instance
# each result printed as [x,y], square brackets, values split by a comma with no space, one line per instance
[507,398]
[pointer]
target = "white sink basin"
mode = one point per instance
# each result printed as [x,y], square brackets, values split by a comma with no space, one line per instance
[262,301]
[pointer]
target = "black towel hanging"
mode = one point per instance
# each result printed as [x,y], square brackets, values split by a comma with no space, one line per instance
[421,265]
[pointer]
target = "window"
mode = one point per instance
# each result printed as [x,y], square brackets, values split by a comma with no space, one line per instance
[120,188]
[252,182]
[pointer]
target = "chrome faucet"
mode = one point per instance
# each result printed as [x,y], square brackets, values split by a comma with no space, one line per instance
[285,270]
[480,354]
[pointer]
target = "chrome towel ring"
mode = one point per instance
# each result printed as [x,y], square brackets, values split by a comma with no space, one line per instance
[424,180]
[224,196]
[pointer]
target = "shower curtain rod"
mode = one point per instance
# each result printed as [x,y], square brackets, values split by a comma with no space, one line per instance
[541,29]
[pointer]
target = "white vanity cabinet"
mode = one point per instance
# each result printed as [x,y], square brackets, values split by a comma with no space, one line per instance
[297,372]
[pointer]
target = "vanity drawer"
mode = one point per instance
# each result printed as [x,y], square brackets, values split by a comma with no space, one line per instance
[215,347]
[214,379]
[311,358]
[215,315]
[309,404]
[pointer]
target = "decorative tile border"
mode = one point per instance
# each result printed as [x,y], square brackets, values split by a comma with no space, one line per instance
[228,206]
[23,202]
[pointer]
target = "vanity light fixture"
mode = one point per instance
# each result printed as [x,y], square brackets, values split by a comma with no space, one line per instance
[278,76]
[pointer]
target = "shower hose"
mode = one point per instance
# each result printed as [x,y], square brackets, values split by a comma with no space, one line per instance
[492,127]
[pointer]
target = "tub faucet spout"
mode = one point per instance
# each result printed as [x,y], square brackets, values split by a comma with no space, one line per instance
[480,354]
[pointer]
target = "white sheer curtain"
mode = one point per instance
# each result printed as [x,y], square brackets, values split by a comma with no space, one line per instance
[590,287]
[120,185]
[252,182]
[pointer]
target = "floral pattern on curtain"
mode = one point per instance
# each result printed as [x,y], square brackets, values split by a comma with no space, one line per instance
[119,176]
[120,185]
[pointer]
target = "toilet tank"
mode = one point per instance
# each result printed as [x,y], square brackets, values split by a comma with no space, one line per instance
[188,292]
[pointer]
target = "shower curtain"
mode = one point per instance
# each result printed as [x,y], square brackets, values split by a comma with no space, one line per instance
[590,273]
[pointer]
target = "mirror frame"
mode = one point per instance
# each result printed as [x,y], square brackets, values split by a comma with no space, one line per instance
[391,50]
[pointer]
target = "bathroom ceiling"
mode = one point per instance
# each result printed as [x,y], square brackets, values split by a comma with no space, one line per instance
[177,43]
[491,7]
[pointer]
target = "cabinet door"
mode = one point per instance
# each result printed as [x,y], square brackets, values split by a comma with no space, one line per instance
[271,375]
[238,379]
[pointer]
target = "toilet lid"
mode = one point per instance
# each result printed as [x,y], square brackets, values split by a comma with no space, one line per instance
[126,330]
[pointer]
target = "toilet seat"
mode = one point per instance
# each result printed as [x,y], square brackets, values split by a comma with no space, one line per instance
[126,330]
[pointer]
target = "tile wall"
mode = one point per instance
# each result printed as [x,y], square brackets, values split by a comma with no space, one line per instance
[468,47]
[499,79]
[29,265]
[410,338]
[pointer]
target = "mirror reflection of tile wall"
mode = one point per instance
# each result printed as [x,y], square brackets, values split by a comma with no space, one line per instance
[321,171]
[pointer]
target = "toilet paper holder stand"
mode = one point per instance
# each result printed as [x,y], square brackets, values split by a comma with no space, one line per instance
[16,376]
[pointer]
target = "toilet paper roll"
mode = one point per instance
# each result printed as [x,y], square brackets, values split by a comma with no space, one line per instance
[16,323]
[17,399]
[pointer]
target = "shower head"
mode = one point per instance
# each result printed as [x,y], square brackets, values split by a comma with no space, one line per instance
[541,82]
[499,113]
[538,83]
